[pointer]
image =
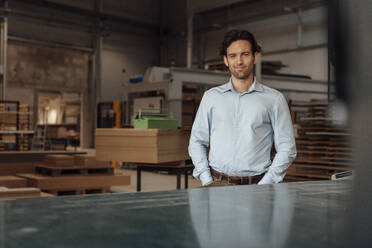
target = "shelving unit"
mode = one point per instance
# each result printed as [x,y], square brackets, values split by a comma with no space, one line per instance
[15,126]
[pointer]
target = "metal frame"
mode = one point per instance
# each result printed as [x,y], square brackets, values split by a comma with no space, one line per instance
[3,52]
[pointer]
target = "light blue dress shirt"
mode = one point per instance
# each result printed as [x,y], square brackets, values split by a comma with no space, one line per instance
[240,129]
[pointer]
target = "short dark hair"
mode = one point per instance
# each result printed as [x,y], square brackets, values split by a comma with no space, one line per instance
[235,35]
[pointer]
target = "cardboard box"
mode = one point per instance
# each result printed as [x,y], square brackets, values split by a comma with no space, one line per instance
[141,146]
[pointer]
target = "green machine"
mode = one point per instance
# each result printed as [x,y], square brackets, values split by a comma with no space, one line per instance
[154,119]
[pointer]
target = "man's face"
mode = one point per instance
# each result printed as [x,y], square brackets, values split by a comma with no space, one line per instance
[240,59]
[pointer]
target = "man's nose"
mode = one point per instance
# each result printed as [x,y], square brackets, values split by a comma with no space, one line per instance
[239,60]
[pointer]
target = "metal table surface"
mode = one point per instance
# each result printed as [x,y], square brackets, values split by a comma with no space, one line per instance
[309,214]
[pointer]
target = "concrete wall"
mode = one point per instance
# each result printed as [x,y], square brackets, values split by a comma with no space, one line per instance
[46,67]
[122,59]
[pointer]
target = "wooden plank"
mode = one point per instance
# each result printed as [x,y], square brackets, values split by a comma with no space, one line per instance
[330,153]
[317,166]
[326,148]
[128,132]
[8,169]
[328,133]
[13,182]
[315,161]
[317,176]
[323,142]
[326,158]
[72,182]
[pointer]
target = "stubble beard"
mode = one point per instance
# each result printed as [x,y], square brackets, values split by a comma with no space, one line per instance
[241,75]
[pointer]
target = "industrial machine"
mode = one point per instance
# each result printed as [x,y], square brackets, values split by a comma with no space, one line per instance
[150,118]
[177,89]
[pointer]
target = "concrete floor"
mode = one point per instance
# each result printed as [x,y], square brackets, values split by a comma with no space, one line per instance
[153,181]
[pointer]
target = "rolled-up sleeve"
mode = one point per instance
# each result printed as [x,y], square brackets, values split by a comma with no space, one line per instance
[284,142]
[199,141]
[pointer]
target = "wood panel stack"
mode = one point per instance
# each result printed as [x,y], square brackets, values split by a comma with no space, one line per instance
[67,175]
[10,194]
[13,187]
[191,98]
[323,148]
[141,146]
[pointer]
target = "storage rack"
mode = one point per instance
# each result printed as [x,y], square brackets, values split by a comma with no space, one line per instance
[323,148]
[15,126]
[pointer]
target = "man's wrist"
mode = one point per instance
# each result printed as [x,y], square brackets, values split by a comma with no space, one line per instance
[206,178]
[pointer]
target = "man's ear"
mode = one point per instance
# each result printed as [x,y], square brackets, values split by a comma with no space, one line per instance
[225,60]
[256,54]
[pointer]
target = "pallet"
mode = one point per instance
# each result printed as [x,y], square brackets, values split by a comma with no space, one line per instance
[63,171]
[72,182]
[64,192]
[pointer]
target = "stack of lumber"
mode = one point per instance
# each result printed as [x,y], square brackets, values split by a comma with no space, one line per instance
[141,146]
[323,148]
[9,194]
[68,175]
[13,187]
[191,98]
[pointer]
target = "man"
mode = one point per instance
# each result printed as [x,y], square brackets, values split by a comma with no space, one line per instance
[239,122]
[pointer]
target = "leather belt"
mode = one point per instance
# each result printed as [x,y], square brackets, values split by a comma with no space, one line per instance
[236,179]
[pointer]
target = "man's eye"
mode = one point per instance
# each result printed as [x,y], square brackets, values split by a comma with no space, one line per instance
[232,55]
[246,54]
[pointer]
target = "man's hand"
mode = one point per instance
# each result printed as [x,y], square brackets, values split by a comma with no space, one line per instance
[208,184]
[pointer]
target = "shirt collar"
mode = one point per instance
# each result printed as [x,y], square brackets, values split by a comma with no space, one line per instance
[256,86]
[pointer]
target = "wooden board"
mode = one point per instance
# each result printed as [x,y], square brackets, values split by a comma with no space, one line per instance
[8,169]
[316,161]
[330,153]
[90,161]
[59,160]
[13,182]
[73,182]
[141,146]
[308,175]
[317,166]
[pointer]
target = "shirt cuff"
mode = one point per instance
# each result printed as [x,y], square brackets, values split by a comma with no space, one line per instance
[266,180]
[205,177]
